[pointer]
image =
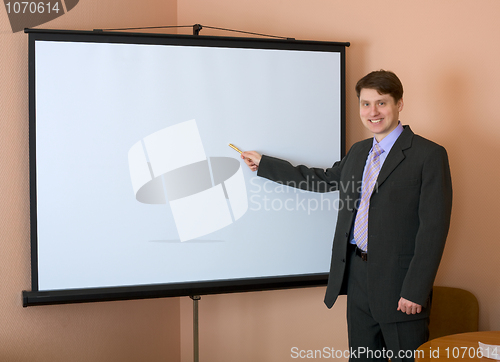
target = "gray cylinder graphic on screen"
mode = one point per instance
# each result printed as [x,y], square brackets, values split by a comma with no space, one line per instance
[205,194]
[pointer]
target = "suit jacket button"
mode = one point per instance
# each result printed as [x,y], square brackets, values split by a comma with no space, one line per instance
[346,235]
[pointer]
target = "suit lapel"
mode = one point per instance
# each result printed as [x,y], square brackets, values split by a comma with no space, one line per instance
[360,159]
[358,167]
[396,155]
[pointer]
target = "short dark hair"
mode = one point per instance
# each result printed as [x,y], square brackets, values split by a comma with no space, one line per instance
[384,82]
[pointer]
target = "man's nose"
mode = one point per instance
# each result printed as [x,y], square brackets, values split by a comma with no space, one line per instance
[373,110]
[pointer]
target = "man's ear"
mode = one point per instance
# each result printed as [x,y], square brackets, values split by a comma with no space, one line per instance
[400,105]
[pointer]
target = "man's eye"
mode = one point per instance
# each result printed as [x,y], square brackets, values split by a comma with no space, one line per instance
[381,103]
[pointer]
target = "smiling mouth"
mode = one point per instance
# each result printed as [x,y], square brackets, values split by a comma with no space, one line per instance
[375,120]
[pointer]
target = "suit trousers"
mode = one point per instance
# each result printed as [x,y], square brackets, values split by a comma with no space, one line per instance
[372,340]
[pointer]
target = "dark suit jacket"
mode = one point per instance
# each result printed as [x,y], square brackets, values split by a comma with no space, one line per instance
[409,217]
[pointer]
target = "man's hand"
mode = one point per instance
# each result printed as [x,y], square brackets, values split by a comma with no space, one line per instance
[405,306]
[252,159]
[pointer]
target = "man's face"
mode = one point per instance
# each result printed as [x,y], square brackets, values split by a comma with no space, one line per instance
[379,112]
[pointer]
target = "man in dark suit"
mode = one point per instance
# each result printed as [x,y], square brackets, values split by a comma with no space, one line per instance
[390,235]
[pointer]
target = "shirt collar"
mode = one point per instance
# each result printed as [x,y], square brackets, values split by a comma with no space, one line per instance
[389,140]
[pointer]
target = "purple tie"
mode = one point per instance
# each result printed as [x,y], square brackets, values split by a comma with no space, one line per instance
[369,180]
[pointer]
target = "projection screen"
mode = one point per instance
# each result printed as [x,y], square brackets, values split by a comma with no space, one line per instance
[135,192]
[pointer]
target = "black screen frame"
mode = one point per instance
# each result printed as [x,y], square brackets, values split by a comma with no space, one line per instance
[36,297]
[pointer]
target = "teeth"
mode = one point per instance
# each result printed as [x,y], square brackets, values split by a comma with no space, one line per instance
[375,120]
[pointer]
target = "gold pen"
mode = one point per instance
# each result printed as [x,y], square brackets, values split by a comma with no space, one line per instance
[235,148]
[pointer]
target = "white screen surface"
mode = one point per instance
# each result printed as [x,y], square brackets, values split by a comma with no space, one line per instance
[107,114]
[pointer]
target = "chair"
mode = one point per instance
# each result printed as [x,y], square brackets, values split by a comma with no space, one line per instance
[453,310]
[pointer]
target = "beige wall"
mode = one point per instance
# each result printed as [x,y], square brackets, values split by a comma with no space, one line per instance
[446,53]
[146,330]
